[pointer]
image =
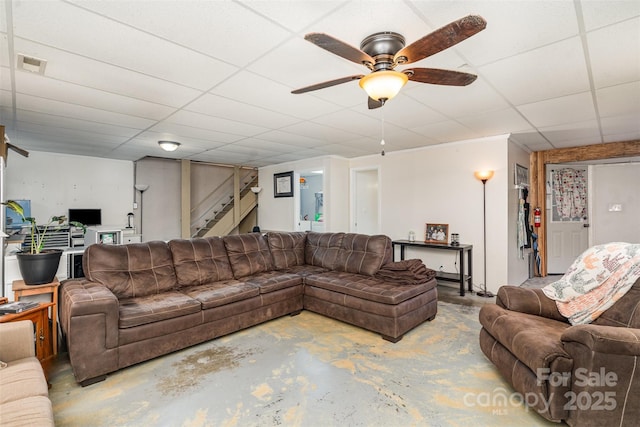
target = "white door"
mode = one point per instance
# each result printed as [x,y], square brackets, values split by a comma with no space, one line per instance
[567,215]
[365,201]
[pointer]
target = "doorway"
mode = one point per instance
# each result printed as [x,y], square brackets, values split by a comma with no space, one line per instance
[311,215]
[567,215]
[365,201]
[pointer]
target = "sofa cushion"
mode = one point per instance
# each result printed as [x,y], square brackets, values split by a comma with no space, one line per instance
[22,378]
[199,261]
[248,254]
[274,280]
[30,411]
[154,308]
[287,249]
[366,287]
[216,294]
[322,249]
[534,340]
[363,254]
[132,270]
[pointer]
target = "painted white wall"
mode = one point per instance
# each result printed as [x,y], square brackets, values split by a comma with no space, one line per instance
[436,184]
[279,214]
[517,266]
[56,182]
[161,202]
[615,184]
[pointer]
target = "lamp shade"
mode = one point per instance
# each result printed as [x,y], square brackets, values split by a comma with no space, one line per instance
[383,84]
[169,145]
[142,187]
[483,176]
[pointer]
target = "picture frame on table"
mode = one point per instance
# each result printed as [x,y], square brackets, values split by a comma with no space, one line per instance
[283,184]
[437,233]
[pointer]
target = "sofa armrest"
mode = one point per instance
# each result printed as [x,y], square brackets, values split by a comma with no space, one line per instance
[89,317]
[605,339]
[528,300]
[16,340]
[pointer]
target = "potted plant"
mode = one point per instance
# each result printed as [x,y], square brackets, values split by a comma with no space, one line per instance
[37,264]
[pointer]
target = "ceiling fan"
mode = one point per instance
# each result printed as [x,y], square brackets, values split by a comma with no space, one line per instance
[382,52]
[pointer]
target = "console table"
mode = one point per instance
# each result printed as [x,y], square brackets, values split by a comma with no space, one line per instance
[461,277]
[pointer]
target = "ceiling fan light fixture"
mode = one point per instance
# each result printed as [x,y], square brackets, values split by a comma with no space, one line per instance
[383,84]
[169,145]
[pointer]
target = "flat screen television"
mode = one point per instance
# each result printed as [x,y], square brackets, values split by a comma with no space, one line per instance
[86,216]
[14,220]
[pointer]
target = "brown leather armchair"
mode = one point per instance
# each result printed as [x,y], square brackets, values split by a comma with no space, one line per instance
[585,375]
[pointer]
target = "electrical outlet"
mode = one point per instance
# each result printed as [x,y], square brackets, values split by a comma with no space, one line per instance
[135,205]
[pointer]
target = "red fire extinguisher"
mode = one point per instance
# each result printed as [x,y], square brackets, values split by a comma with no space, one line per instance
[536,217]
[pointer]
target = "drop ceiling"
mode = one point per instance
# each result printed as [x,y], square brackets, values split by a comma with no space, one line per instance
[216,76]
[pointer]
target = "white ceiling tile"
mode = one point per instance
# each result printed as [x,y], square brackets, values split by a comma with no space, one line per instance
[218,106]
[177,132]
[200,25]
[621,100]
[513,27]
[496,122]
[405,111]
[567,109]
[615,53]
[622,125]
[295,15]
[55,121]
[455,101]
[448,131]
[260,92]
[297,141]
[217,124]
[531,140]
[551,71]
[571,132]
[49,106]
[80,70]
[299,63]
[350,121]
[112,42]
[41,86]
[597,14]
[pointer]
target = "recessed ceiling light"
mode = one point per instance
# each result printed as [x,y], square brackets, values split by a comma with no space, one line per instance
[31,64]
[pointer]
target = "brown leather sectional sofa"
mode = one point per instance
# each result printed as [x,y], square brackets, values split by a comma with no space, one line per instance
[140,301]
[584,375]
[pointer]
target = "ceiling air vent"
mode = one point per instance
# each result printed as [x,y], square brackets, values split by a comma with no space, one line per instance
[31,64]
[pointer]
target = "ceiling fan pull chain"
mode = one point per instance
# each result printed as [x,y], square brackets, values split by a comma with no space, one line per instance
[382,130]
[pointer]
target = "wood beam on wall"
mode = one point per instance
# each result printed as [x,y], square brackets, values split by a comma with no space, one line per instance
[538,161]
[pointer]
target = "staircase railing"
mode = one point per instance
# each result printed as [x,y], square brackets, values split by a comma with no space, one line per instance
[219,202]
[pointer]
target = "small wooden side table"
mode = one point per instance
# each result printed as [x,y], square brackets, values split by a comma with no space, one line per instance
[20,289]
[40,317]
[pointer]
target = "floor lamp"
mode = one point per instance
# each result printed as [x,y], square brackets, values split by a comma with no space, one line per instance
[484,176]
[255,190]
[141,188]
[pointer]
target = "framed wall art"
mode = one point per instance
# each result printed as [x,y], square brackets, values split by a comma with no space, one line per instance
[521,176]
[283,184]
[437,233]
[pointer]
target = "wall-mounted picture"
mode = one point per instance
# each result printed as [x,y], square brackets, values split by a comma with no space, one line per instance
[283,184]
[437,233]
[521,176]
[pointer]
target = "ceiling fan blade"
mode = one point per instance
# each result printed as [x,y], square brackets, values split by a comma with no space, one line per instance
[441,39]
[327,84]
[373,104]
[436,76]
[340,48]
